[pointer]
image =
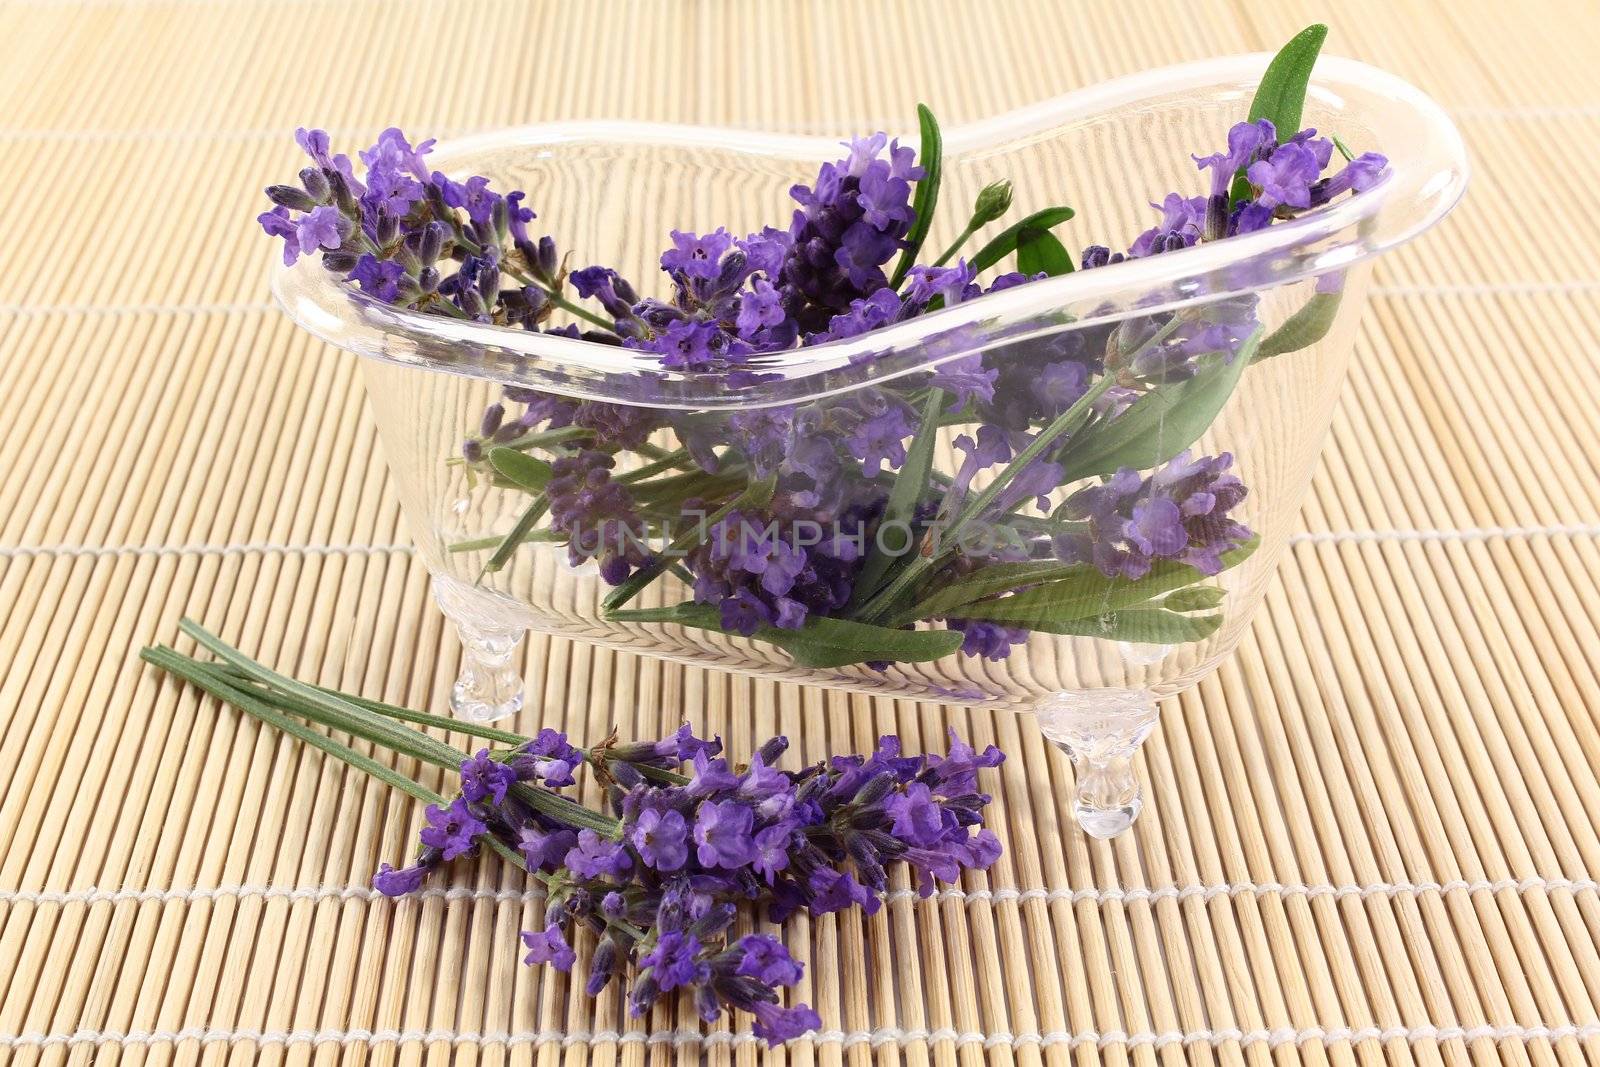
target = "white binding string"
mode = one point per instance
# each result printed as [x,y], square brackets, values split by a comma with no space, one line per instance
[1469,533]
[1097,895]
[888,1035]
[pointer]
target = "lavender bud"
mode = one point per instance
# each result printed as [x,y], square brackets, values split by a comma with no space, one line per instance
[432,243]
[472,303]
[316,183]
[733,270]
[773,750]
[492,416]
[645,992]
[291,197]
[868,864]
[603,968]
[428,280]
[874,791]
[489,283]
[718,917]
[660,316]
[627,775]
[993,201]
[471,451]
[339,262]
[343,195]
[388,229]
[707,1003]
[623,289]
[548,260]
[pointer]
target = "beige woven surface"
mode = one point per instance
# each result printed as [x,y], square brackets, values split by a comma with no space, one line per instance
[1371,837]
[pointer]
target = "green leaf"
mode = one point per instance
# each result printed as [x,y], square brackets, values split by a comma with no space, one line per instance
[1195,598]
[1006,241]
[1304,328]
[930,151]
[903,497]
[519,533]
[1281,96]
[991,580]
[821,642]
[527,471]
[1143,626]
[1160,424]
[1038,250]
[1089,593]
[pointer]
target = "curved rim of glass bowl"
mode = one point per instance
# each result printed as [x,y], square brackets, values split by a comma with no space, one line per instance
[1428,173]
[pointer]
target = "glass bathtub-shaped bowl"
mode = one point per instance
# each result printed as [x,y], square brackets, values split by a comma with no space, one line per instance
[1096,651]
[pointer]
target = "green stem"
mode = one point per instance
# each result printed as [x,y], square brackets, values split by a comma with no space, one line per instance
[444,722]
[557,807]
[181,666]
[1063,424]
[421,718]
[955,246]
[756,492]
[671,461]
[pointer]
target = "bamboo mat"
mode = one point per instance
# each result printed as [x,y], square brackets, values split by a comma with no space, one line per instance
[1370,838]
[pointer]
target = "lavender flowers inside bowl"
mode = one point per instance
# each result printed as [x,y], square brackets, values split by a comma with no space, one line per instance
[960,418]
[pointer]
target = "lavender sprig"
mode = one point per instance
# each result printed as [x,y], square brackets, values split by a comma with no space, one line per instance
[660,876]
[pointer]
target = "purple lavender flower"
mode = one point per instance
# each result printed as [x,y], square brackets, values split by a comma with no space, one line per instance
[485,779]
[723,833]
[833,890]
[767,961]
[696,346]
[278,223]
[878,309]
[948,284]
[661,838]
[321,227]
[1285,177]
[850,222]
[452,829]
[775,1025]
[772,851]
[878,424]
[596,513]
[696,257]
[991,640]
[764,435]
[967,380]
[543,849]
[549,946]
[381,278]
[675,961]
[917,819]
[1359,175]
[393,882]
[956,772]
[1180,512]
[595,857]
[710,776]
[1182,223]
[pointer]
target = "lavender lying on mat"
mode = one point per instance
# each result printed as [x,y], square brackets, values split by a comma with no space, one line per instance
[1079,507]
[659,876]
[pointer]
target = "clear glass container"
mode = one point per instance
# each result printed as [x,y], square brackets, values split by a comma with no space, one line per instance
[1099,651]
